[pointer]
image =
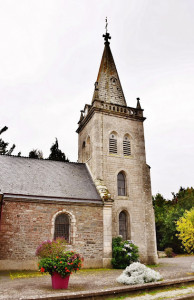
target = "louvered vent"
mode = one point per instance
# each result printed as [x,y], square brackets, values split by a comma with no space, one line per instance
[112,144]
[126,147]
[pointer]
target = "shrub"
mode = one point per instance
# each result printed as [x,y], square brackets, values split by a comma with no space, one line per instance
[124,253]
[138,273]
[169,252]
[51,248]
[185,226]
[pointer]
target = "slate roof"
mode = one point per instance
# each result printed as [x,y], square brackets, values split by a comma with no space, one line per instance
[26,176]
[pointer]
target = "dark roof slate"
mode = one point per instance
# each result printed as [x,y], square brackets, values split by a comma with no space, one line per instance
[19,175]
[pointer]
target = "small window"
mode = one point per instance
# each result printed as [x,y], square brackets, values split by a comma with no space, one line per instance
[113,144]
[121,184]
[62,226]
[84,152]
[88,150]
[126,146]
[123,225]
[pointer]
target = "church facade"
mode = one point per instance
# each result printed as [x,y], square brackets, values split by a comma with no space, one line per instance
[106,194]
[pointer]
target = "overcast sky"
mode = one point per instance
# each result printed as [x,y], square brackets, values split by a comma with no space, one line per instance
[50,52]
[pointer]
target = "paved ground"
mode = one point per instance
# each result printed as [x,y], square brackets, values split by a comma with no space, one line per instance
[86,280]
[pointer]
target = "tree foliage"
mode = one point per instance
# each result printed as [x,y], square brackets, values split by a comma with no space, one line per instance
[56,153]
[167,214]
[185,227]
[4,145]
[35,153]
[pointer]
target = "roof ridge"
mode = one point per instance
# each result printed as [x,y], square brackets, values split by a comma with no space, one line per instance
[42,159]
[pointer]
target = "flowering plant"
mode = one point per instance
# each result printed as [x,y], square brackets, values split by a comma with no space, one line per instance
[54,258]
[138,273]
[124,253]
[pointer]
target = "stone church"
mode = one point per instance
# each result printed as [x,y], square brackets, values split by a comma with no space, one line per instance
[106,194]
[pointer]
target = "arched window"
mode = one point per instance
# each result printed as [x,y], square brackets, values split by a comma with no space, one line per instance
[123,225]
[113,143]
[84,152]
[88,150]
[62,227]
[121,184]
[126,146]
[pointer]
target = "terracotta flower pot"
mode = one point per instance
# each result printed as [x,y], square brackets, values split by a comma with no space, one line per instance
[58,282]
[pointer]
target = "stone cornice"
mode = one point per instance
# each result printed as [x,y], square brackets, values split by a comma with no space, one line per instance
[134,114]
[50,200]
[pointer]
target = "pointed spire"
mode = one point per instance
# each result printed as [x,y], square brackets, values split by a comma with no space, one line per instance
[138,104]
[108,83]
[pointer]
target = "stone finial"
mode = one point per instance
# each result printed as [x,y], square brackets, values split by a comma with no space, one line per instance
[96,85]
[95,95]
[138,104]
[81,116]
[102,190]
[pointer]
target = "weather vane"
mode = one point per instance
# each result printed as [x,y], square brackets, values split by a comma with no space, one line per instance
[107,35]
[106,24]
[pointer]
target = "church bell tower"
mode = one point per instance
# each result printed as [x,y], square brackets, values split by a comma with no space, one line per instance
[111,143]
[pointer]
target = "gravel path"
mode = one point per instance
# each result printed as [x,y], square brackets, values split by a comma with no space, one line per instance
[86,280]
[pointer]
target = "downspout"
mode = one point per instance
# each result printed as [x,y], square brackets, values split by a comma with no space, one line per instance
[1,208]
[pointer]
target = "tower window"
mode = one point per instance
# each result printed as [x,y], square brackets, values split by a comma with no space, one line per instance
[88,154]
[121,184]
[123,225]
[62,227]
[126,146]
[84,152]
[113,144]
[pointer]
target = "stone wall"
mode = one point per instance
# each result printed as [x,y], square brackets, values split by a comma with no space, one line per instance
[24,225]
[138,202]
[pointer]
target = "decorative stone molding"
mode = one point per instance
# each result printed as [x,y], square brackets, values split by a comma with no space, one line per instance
[102,190]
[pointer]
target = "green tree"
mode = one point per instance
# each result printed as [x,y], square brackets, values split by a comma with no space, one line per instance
[4,145]
[161,208]
[56,153]
[35,153]
[185,227]
[167,214]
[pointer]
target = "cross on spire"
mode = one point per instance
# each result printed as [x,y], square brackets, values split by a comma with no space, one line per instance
[107,35]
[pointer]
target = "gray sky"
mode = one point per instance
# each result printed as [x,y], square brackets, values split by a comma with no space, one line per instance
[49,59]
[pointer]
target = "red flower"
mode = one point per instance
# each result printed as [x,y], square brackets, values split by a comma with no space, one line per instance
[42,269]
[61,262]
